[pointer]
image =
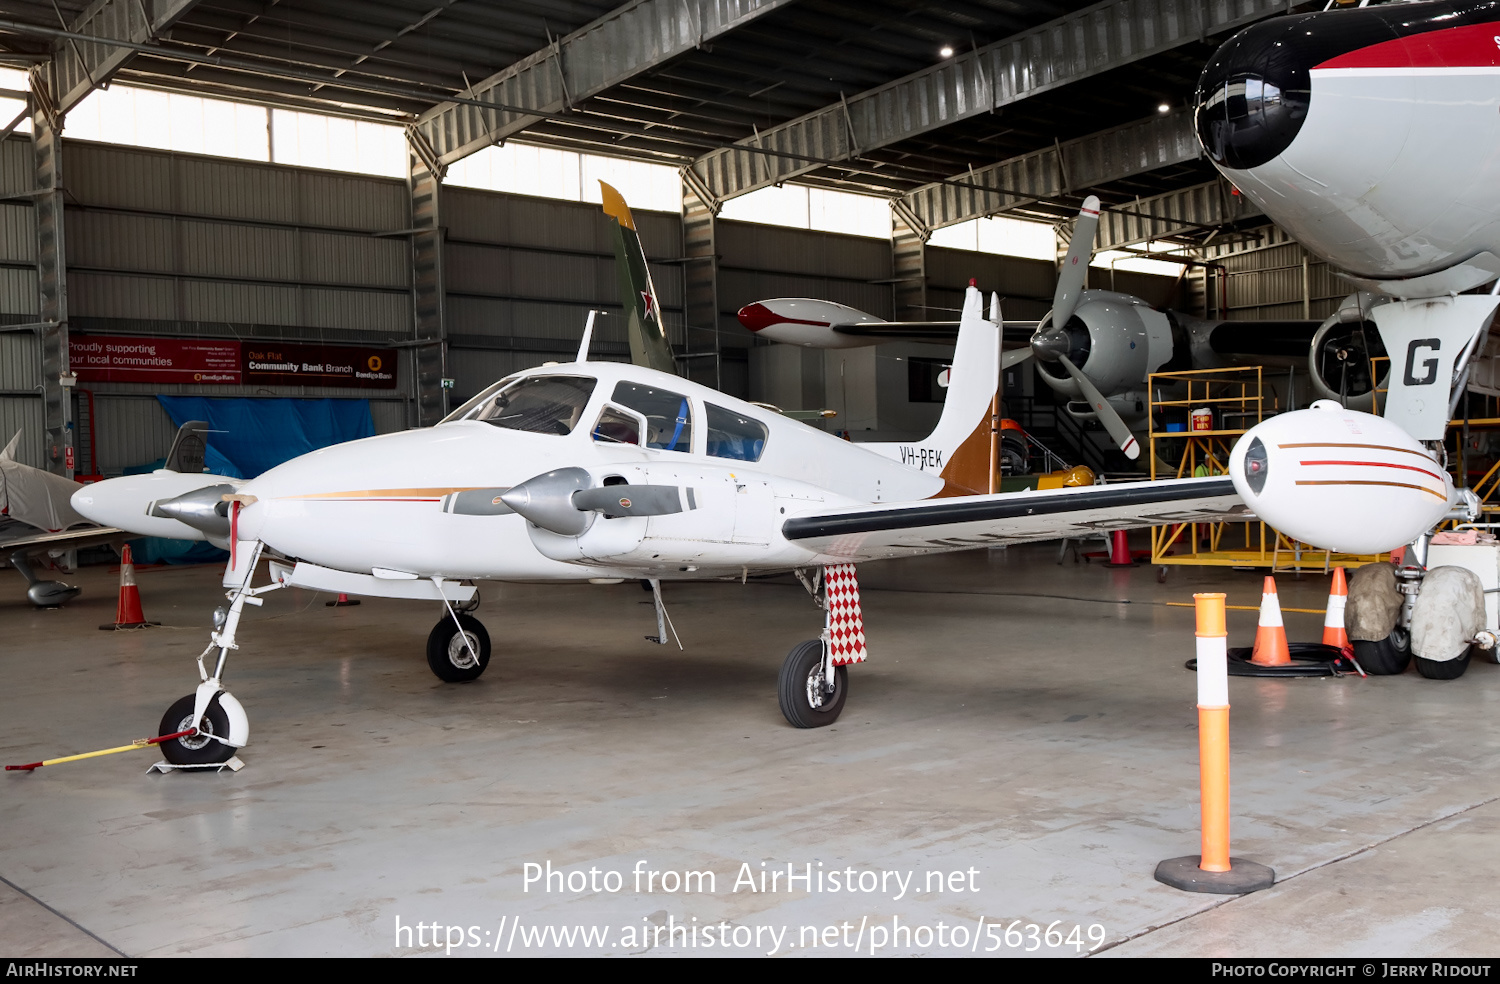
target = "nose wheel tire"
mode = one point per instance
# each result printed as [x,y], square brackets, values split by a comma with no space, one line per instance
[202,748]
[456,657]
[803,692]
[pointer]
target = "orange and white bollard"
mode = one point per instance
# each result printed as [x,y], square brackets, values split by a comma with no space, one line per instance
[1334,633]
[128,614]
[1213,870]
[1271,648]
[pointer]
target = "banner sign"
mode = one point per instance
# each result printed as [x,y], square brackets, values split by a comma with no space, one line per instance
[117,359]
[124,359]
[319,365]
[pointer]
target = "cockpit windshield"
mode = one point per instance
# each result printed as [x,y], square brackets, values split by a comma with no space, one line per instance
[539,404]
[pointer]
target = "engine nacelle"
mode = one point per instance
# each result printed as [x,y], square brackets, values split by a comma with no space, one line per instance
[805,321]
[727,516]
[1339,361]
[1118,340]
[1340,479]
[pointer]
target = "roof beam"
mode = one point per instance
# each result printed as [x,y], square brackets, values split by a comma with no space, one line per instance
[1105,36]
[612,49]
[1055,172]
[1194,211]
[79,67]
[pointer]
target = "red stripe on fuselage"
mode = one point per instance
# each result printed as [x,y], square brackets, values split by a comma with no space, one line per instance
[1377,464]
[1470,46]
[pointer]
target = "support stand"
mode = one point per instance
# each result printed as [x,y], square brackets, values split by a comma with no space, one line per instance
[233,765]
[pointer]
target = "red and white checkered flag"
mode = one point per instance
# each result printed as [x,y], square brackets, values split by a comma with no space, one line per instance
[845,626]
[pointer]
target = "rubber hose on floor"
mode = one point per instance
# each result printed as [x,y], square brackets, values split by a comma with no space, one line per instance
[1309,659]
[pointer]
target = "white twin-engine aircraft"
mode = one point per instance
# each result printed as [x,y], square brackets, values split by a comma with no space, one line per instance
[600,471]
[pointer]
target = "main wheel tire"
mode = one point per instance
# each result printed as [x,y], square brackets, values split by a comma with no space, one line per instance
[1444,669]
[200,749]
[1385,657]
[448,651]
[804,701]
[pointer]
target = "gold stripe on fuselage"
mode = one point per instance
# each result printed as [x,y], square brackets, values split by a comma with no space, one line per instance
[1394,485]
[388,493]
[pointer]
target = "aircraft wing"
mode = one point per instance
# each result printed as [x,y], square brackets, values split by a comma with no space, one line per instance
[19,538]
[905,529]
[928,331]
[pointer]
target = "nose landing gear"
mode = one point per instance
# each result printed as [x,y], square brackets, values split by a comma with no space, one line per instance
[219,719]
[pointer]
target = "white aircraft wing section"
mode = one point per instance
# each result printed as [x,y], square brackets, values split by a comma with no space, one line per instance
[18,536]
[904,529]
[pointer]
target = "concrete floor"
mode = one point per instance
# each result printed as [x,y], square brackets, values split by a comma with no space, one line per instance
[1026,725]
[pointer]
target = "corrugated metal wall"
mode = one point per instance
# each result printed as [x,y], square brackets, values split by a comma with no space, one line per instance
[161,243]
[522,274]
[1267,276]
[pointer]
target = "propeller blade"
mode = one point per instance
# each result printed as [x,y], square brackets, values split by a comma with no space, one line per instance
[631,500]
[1076,264]
[1111,420]
[1015,356]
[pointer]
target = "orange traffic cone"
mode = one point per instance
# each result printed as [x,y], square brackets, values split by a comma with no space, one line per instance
[1270,634]
[341,601]
[128,614]
[1119,550]
[1333,622]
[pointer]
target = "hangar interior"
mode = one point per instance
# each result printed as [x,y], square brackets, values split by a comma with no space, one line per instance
[594,747]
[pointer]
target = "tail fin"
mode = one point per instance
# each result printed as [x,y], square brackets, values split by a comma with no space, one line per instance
[648,339]
[958,449]
[188,448]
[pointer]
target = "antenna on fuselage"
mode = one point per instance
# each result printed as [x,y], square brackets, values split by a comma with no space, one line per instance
[588,336]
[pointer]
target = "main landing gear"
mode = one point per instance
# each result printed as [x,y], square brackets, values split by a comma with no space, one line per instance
[814,682]
[808,696]
[458,648]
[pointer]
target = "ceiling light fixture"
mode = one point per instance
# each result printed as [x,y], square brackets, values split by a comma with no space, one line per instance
[946,51]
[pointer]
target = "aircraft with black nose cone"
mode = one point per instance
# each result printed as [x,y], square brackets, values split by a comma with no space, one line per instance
[1370,135]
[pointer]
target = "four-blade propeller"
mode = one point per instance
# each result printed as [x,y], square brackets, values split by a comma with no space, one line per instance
[1053,340]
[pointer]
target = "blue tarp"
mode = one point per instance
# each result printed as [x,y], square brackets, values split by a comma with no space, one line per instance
[253,436]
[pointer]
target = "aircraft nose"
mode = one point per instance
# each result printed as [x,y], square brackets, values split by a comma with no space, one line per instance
[1254,93]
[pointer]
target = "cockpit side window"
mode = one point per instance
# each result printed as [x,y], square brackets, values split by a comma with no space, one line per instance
[616,427]
[540,404]
[669,418]
[733,435]
[472,405]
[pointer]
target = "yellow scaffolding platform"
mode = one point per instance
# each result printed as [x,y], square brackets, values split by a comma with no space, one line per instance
[1235,396]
